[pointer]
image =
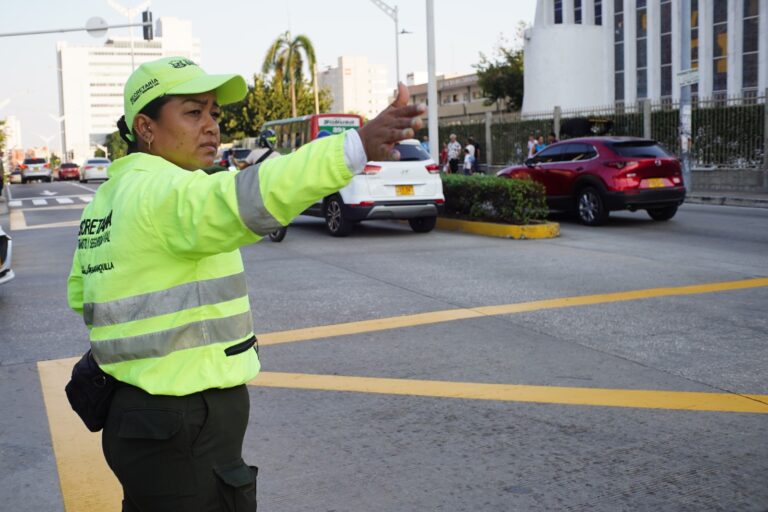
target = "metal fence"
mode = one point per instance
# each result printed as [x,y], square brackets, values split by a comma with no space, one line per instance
[728,132]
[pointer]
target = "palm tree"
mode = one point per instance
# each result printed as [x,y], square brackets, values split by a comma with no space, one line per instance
[284,57]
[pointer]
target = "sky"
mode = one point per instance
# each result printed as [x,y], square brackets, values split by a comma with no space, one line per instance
[235,35]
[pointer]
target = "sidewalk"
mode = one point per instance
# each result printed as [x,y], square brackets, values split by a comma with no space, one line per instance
[751,199]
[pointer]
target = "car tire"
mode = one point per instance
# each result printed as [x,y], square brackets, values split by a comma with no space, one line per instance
[662,214]
[422,224]
[278,234]
[590,207]
[335,221]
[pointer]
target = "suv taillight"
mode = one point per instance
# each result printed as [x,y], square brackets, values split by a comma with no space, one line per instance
[626,181]
[433,168]
[621,164]
[47,166]
[371,169]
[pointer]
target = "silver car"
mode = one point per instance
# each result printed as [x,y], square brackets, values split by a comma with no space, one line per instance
[6,273]
[94,169]
[35,169]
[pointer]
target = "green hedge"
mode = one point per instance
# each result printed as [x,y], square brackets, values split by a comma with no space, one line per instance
[494,199]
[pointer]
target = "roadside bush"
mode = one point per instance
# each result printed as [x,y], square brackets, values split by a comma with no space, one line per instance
[493,199]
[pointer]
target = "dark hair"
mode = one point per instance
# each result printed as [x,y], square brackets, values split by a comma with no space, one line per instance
[151,110]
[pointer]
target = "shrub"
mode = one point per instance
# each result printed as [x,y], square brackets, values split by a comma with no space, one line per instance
[494,199]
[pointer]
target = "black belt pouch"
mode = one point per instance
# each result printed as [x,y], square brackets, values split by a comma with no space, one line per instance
[90,391]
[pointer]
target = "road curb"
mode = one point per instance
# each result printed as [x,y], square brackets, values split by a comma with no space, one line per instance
[530,231]
[727,201]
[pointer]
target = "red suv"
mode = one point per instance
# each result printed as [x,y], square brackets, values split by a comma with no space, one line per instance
[595,175]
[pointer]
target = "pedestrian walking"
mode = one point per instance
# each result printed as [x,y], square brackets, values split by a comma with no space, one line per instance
[475,155]
[531,145]
[425,143]
[444,157]
[159,280]
[468,162]
[454,153]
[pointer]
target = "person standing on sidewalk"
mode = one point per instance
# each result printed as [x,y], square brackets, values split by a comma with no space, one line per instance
[454,153]
[159,280]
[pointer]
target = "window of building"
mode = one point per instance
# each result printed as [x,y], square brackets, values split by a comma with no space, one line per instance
[618,49]
[720,47]
[750,45]
[694,42]
[641,17]
[558,11]
[577,11]
[598,12]
[666,48]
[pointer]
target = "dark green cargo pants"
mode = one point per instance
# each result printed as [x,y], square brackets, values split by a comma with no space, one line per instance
[180,453]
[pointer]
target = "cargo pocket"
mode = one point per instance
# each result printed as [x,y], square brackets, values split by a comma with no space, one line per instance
[153,458]
[237,486]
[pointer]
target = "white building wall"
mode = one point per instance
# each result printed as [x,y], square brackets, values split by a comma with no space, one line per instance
[559,70]
[563,67]
[91,80]
[357,86]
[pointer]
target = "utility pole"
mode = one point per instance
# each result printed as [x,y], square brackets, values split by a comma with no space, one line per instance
[434,142]
[392,13]
[685,92]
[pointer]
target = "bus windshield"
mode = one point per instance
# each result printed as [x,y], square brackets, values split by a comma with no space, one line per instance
[292,133]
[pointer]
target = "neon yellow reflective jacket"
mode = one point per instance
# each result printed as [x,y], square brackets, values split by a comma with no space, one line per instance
[157,274]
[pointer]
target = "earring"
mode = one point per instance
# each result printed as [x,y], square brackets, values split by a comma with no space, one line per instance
[149,143]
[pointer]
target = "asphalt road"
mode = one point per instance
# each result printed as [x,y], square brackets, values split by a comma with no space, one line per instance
[418,447]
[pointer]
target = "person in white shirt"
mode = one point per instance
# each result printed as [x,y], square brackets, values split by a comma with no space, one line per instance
[531,145]
[454,153]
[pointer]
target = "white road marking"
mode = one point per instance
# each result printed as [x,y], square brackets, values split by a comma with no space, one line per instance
[14,204]
[83,187]
[64,200]
[39,202]
[48,193]
[86,199]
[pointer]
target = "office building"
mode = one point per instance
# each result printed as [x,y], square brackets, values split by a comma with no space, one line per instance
[91,80]
[357,86]
[587,53]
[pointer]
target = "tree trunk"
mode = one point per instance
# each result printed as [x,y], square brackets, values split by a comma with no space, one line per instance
[293,95]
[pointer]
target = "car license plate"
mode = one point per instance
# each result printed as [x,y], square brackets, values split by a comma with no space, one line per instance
[404,190]
[656,183]
[100,168]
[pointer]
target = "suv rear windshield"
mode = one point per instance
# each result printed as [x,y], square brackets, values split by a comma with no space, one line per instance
[33,161]
[640,149]
[411,152]
[99,161]
[68,165]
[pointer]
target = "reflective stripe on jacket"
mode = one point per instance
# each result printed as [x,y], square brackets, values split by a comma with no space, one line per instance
[158,276]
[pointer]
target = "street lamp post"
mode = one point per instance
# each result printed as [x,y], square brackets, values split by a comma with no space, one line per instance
[59,120]
[129,12]
[392,13]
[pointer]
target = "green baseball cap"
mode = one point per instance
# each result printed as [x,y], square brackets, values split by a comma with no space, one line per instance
[176,75]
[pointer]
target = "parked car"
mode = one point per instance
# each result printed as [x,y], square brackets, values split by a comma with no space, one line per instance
[35,169]
[408,189]
[15,176]
[6,273]
[94,169]
[593,176]
[69,171]
[222,159]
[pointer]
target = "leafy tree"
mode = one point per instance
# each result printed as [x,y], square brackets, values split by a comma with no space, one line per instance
[264,102]
[502,78]
[2,134]
[99,153]
[116,146]
[284,57]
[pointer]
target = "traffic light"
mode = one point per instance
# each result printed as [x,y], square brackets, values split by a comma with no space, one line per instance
[146,17]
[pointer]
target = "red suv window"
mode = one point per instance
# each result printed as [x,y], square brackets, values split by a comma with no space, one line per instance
[639,149]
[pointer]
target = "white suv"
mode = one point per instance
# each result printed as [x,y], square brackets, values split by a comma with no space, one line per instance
[408,189]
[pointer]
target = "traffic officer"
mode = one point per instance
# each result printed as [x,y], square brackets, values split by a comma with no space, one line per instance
[159,280]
